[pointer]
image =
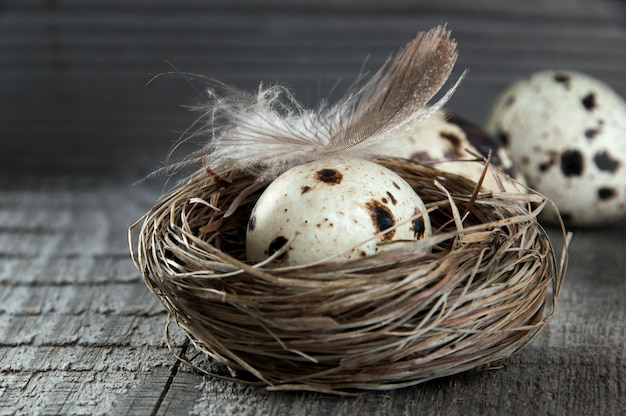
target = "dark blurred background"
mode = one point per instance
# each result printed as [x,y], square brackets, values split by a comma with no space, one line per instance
[74,73]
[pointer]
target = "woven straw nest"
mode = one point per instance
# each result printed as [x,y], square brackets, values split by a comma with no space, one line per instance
[486,284]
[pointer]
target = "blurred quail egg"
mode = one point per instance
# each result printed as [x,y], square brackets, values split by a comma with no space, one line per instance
[567,133]
[447,142]
[334,207]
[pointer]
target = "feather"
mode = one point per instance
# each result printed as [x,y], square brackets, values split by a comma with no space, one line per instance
[267,132]
[395,98]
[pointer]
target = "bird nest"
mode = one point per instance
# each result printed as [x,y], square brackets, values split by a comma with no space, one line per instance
[476,291]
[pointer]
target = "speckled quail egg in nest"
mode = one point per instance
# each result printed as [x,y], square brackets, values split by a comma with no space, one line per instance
[567,133]
[334,208]
[448,142]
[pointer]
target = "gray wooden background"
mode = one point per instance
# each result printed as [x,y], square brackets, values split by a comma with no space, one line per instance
[79,332]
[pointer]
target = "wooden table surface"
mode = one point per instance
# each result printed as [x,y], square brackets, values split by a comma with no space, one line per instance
[79,331]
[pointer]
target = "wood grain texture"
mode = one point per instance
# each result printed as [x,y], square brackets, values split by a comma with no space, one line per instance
[79,331]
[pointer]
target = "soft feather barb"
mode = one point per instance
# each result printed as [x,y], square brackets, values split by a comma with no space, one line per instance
[267,132]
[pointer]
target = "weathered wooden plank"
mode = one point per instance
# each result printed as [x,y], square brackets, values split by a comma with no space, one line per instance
[107,297]
[70,392]
[86,358]
[515,387]
[142,400]
[60,330]
[73,268]
[78,328]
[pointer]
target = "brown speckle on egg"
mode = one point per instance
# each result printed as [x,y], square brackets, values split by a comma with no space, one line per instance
[562,79]
[591,133]
[423,157]
[418,227]
[393,199]
[589,101]
[545,166]
[276,245]
[329,176]
[606,193]
[453,139]
[572,163]
[305,189]
[605,162]
[456,151]
[382,218]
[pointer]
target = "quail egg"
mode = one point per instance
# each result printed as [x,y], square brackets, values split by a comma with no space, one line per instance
[567,133]
[446,141]
[339,208]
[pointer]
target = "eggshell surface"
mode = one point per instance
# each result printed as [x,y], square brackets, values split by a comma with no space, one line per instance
[567,133]
[450,143]
[333,208]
